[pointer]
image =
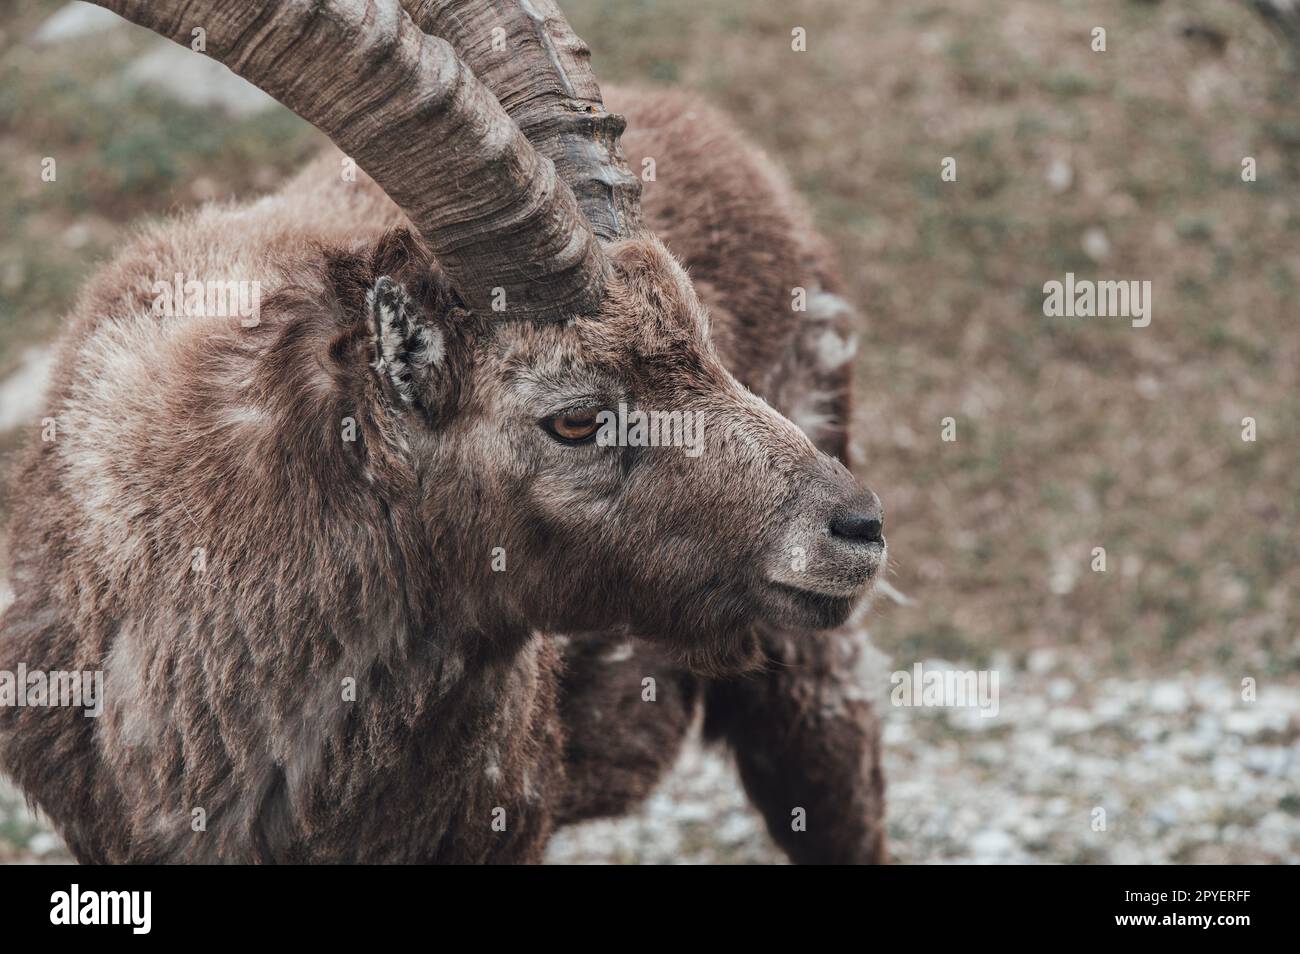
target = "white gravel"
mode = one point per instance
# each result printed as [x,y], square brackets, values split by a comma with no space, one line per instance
[1183,769]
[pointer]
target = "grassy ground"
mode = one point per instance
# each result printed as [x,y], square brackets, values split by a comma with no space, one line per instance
[1122,164]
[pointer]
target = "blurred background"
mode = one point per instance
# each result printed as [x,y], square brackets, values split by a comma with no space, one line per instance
[1121,689]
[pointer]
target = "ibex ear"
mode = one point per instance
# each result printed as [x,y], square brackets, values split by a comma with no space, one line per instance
[409,351]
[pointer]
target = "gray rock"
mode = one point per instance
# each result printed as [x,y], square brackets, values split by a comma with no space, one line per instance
[74,21]
[197,80]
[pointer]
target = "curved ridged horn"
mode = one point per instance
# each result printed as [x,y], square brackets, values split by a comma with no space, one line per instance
[540,71]
[416,119]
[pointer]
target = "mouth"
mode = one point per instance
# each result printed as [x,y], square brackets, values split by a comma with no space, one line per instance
[797,606]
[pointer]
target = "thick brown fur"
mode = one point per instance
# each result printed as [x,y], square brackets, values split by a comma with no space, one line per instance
[205,531]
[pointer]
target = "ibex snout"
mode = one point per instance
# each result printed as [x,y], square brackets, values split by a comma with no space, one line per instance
[831,549]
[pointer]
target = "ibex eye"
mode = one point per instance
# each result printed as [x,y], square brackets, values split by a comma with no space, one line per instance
[573,427]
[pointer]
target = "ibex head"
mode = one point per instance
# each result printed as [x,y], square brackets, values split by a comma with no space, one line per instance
[524,384]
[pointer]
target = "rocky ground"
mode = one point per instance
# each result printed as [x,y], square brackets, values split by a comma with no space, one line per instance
[1184,770]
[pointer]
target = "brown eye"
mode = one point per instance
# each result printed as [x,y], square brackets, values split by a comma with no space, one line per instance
[573,427]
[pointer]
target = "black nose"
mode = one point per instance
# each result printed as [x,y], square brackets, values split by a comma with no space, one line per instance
[857,527]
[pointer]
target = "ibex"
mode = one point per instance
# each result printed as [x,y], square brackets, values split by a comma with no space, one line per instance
[365,578]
